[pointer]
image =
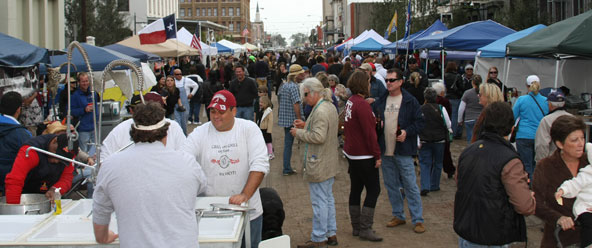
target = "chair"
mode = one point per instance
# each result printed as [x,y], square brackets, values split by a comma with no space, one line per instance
[277,242]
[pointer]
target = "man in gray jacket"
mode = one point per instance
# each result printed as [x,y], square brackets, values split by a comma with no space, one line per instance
[543,145]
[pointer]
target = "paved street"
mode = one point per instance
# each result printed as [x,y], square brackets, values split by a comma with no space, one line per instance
[437,206]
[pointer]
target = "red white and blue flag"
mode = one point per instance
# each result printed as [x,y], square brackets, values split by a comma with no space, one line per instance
[245,31]
[159,31]
[195,41]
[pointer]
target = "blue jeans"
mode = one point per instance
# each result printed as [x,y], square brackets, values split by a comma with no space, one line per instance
[194,109]
[469,125]
[431,156]
[397,172]
[324,224]
[256,226]
[456,129]
[84,138]
[525,148]
[288,141]
[462,243]
[246,113]
[181,118]
[85,173]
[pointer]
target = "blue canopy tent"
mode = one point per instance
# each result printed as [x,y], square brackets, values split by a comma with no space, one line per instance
[497,49]
[134,53]
[494,54]
[18,53]
[99,58]
[221,48]
[409,44]
[468,37]
[367,45]
[391,48]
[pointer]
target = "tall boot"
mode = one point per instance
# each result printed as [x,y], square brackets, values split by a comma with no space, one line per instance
[354,214]
[366,221]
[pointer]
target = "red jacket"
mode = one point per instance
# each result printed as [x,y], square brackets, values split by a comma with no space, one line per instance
[15,180]
[360,129]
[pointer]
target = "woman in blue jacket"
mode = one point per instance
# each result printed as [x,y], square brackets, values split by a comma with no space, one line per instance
[530,108]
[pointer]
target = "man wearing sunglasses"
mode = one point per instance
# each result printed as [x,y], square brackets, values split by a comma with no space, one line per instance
[400,121]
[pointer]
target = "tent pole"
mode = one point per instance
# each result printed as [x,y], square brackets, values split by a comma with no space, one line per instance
[475,64]
[505,70]
[557,71]
[427,59]
[442,55]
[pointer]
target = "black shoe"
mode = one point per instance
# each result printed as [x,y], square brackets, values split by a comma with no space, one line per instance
[450,176]
[424,192]
[289,173]
[332,241]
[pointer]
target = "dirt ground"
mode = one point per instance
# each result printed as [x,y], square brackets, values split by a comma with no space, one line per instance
[437,206]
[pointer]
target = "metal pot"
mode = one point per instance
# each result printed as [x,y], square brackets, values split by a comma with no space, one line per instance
[30,204]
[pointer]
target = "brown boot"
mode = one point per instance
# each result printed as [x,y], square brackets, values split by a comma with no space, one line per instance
[419,228]
[354,214]
[332,241]
[311,244]
[395,222]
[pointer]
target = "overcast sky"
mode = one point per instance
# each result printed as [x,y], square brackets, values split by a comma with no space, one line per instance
[287,17]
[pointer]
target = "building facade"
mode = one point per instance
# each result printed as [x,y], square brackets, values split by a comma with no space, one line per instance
[258,32]
[234,14]
[39,22]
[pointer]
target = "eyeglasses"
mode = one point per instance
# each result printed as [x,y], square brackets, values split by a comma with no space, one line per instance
[391,80]
[493,72]
[306,94]
[178,74]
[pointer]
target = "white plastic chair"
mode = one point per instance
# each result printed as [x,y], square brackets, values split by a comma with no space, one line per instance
[277,242]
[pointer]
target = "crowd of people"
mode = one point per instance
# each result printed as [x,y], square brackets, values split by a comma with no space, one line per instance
[379,113]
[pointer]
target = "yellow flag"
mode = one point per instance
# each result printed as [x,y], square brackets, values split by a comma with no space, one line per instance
[392,26]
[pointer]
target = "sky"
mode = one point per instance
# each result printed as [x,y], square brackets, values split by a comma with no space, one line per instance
[287,17]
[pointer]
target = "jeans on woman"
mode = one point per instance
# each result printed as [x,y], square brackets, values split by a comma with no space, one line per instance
[431,156]
[525,148]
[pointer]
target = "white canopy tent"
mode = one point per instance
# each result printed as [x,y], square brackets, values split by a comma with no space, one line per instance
[367,35]
[185,37]
[236,48]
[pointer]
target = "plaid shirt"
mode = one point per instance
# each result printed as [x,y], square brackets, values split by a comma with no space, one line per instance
[288,95]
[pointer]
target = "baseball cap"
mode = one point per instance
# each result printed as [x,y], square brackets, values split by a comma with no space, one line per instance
[532,78]
[148,97]
[366,67]
[469,66]
[556,96]
[222,100]
[295,69]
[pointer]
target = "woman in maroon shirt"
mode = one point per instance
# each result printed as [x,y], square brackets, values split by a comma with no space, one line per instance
[363,154]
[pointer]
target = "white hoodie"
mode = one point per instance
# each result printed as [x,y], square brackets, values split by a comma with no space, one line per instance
[580,187]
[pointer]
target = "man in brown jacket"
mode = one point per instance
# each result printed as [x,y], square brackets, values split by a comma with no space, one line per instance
[319,134]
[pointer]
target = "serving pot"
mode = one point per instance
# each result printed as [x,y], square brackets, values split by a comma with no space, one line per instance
[30,204]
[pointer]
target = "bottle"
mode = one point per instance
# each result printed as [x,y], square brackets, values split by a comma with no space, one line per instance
[398,130]
[57,198]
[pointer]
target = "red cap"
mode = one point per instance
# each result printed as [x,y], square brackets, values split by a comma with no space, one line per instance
[222,100]
[373,66]
[148,97]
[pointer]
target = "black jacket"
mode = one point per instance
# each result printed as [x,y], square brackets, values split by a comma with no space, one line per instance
[245,92]
[12,137]
[483,213]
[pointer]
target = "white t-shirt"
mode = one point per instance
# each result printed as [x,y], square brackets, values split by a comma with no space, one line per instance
[228,157]
[120,137]
[191,86]
[153,196]
[391,121]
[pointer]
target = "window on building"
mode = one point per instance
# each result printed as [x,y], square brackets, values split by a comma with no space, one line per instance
[223,11]
[238,26]
[209,12]
[196,11]
[215,11]
[189,12]
[203,12]
[238,11]
[230,12]
[182,12]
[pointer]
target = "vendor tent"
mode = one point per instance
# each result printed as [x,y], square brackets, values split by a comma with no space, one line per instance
[236,48]
[391,48]
[408,44]
[134,53]
[497,49]
[98,57]
[250,47]
[340,47]
[571,36]
[169,48]
[468,37]
[18,53]
[364,36]
[367,45]
[221,48]
[185,37]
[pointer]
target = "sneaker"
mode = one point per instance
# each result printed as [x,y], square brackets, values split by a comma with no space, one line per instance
[395,222]
[311,244]
[419,228]
[424,192]
[198,123]
[289,173]
[332,241]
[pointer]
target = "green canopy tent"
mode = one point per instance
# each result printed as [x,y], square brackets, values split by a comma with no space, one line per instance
[565,39]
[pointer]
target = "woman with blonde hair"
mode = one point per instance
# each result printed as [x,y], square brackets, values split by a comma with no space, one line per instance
[530,108]
[414,86]
[488,93]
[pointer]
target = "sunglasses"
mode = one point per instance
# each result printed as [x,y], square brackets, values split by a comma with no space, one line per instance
[391,80]
[493,72]
[469,69]
[178,74]
[306,94]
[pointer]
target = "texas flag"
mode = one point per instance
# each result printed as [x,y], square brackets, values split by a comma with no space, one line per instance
[159,31]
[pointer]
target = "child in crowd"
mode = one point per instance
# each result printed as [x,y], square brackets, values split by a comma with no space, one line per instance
[265,121]
[581,188]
